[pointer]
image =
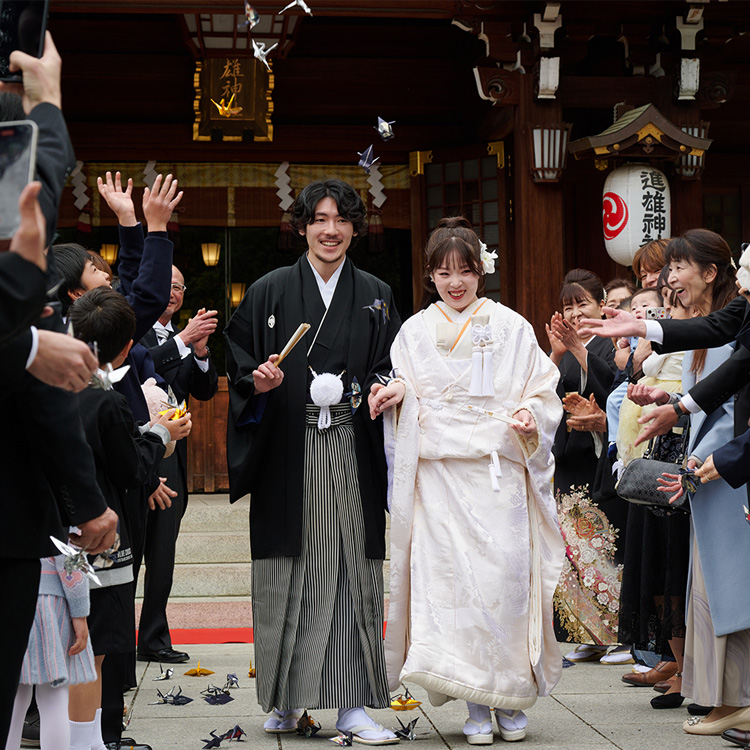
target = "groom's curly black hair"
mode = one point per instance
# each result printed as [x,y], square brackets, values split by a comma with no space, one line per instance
[347,199]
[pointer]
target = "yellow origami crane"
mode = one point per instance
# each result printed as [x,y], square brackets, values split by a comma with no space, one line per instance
[226,110]
[404,702]
[251,671]
[180,411]
[198,671]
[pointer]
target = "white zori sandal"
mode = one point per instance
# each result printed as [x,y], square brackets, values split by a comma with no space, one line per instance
[283,722]
[478,727]
[364,729]
[512,724]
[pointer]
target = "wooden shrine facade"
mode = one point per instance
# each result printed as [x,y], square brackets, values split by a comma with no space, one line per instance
[466,83]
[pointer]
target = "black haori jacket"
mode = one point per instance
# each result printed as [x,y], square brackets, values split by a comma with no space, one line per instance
[266,433]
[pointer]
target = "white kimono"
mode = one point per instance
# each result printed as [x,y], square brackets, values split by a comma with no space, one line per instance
[473,571]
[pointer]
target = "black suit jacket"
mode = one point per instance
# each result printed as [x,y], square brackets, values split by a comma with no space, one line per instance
[184,376]
[266,453]
[718,328]
[46,465]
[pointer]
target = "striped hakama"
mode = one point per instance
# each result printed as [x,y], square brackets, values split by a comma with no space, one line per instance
[47,660]
[318,618]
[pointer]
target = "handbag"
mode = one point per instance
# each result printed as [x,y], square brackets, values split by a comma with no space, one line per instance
[665,454]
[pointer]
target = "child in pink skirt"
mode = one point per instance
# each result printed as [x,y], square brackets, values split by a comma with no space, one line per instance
[58,654]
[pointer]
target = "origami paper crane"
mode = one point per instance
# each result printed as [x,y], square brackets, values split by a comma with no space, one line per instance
[232,681]
[301,4]
[166,674]
[251,17]
[307,726]
[216,696]
[236,733]
[384,129]
[366,159]
[172,698]
[107,377]
[75,559]
[261,53]
[226,110]
[343,740]
[251,671]
[215,740]
[180,411]
[379,305]
[406,732]
[198,671]
[405,702]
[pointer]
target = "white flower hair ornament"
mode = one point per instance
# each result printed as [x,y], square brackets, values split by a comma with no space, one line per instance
[488,259]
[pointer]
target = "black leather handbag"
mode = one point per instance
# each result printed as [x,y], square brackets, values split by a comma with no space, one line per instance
[665,454]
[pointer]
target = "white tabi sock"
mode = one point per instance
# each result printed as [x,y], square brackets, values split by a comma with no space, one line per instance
[481,715]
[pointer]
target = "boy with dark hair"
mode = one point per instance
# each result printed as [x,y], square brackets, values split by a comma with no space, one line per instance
[125,457]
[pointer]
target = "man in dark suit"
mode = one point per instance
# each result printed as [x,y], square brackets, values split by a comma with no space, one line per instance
[183,359]
[46,467]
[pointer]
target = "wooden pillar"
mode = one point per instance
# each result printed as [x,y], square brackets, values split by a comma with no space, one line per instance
[418,236]
[538,215]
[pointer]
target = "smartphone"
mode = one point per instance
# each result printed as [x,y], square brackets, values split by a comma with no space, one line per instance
[23,24]
[17,165]
[656,313]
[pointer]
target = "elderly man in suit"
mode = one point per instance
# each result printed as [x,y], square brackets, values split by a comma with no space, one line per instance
[183,359]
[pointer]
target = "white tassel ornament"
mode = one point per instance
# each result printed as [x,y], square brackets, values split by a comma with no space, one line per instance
[326,390]
[495,472]
[482,381]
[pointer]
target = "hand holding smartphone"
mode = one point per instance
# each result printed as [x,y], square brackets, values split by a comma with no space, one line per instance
[22,27]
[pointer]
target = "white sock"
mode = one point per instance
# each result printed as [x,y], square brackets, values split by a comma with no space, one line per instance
[54,725]
[81,734]
[480,714]
[354,717]
[20,706]
[97,743]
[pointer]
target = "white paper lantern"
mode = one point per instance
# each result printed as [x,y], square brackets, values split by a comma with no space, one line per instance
[636,209]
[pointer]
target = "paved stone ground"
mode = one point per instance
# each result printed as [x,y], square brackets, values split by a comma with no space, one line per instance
[591,709]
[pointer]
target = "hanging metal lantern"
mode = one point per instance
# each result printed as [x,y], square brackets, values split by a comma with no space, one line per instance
[636,209]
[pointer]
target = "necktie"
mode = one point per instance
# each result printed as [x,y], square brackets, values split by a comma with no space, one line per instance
[162,334]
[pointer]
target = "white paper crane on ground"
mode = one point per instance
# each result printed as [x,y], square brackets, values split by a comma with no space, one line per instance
[284,191]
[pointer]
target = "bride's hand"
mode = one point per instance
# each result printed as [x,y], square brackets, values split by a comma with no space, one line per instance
[528,427]
[383,396]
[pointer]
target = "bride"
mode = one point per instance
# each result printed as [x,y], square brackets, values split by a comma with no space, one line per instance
[476,550]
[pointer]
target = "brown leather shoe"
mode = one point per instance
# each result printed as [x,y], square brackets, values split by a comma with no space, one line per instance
[662,671]
[739,737]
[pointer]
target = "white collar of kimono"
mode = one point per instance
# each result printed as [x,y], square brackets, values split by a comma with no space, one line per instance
[589,341]
[457,316]
[327,288]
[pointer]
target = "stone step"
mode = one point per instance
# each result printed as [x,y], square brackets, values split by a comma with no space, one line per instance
[214,513]
[210,580]
[213,547]
[218,580]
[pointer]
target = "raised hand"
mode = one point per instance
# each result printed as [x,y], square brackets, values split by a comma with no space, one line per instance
[41,76]
[119,200]
[198,329]
[621,323]
[556,345]
[160,202]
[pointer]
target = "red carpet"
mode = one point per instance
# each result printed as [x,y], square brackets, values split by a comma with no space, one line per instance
[184,636]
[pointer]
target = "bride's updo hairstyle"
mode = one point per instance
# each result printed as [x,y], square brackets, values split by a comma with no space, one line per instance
[452,241]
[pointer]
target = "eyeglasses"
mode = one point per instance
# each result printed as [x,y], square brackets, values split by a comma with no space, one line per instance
[180,288]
